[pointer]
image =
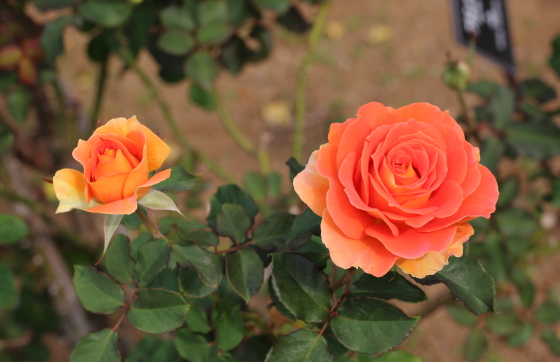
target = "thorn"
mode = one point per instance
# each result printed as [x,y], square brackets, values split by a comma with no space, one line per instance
[47,180]
[98,124]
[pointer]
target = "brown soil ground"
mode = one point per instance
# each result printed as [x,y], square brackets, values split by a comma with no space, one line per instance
[349,71]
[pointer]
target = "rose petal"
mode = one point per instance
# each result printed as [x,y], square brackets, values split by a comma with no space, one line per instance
[83,152]
[142,190]
[447,199]
[118,164]
[482,202]
[139,175]
[108,188]
[311,187]
[430,114]
[432,262]
[69,187]
[409,243]
[157,149]
[352,221]
[121,207]
[366,253]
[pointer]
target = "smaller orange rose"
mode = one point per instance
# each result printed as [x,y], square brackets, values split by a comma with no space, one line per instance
[117,161]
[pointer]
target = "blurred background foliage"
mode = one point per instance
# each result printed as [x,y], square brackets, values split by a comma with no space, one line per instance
[515,122]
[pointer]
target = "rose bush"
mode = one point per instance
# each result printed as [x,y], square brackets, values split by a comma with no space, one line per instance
[397,187]
[117,160]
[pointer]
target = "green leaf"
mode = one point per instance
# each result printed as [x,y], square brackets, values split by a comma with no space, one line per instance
[19,100]
[108,13]
[255,184]
[503,324]
[97,292]
[538,141]
[548,312]
[190,284]
[295,167]
[175,41]
[229,325]
[180,180]
[461,315]
[552,341]
[110,225]
[244,271]
[294,21]
[132,221]
[152,259]
[389,286]
[501,106]
[537,89]
[7,288]
[97,347]
[305,224]
[51,38]
[498,258]
[491,153]
[301,286]
[189,256]
[192,347]
[137,243]
[521,336]
[303,345]
[202,68]
[157,200]
[211,11]
[98,48]
[202,97]
[239,11]
[483,88]
[516,222]
[150,349]
[233,222]
[118,262]
[7,79]
[157,311]
[554,60]
[202,237]
[508,191]
[12,229]
[231,194]
[280,6]
[197,320]
[233,56]
[177,17]
[264,38]
[370,325]
[475,346]
[272,233]
[397,356]
[525,286]
[470,283]
[213,33]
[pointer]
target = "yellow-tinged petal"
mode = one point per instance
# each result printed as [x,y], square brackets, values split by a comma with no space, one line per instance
[157,149]
[311,187]
[432,262]
[121,207]
[142,190]
[69,187]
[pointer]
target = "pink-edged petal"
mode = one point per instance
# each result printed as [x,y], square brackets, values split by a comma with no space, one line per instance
[432,262]
[447,198]
[482,202]
[353,222]
[311,187]
[409,243]
[366,253]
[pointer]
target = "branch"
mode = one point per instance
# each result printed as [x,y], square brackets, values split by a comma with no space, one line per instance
[314,37]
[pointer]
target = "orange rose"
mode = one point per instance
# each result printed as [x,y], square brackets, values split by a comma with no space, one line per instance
[117,160]
[397,187]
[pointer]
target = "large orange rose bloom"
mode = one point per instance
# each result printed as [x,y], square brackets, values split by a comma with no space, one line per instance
[117,160]
[397,187]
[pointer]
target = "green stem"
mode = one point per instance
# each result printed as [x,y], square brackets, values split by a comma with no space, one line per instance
[314,37]
[230,126]
[102,76]
[465,110]
[213,166]
[151,226]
